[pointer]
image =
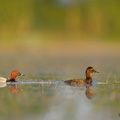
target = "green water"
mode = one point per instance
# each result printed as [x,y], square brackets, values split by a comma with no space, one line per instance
[59,101]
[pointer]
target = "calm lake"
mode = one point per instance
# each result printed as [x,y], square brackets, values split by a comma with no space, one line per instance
[42,95]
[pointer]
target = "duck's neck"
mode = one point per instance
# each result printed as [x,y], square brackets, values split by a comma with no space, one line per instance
[88,77]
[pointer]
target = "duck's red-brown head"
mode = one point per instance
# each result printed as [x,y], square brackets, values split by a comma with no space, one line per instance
[14,74]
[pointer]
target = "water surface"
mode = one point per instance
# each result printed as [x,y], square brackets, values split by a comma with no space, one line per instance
[42,94]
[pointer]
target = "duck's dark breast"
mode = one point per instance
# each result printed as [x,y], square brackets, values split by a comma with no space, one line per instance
[10,80]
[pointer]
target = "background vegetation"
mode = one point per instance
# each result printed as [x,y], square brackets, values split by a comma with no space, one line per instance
[55,27]
[83,18]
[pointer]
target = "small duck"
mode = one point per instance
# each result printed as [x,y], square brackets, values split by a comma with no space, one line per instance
[80,82]
[12,78]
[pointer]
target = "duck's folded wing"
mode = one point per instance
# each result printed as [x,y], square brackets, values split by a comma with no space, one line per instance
[2,79]
[75,82]
[68,81]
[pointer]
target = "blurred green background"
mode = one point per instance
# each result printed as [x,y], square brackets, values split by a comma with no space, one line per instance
[38,28]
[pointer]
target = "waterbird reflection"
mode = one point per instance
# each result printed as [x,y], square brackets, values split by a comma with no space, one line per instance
[89,92]
[14,89]
[14,86]
[3,84]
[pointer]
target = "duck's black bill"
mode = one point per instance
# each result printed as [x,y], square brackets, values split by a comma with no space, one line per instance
[96,71]
[22,75]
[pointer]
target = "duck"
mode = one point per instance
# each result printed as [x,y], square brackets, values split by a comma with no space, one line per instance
[80,82]
[12,77]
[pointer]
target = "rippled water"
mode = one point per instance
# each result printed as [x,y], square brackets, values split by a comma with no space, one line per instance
[42,94]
